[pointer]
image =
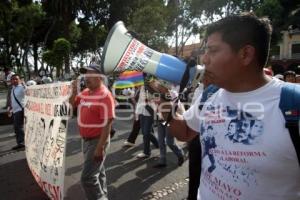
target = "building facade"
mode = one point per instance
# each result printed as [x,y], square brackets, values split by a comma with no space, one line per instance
[286,56]
[187,51]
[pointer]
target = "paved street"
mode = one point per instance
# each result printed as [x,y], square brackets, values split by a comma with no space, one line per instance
[128,177]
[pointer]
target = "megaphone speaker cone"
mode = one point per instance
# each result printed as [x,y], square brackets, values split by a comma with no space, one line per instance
[123,52]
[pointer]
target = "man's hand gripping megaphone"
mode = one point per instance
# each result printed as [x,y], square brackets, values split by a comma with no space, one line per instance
[167,105]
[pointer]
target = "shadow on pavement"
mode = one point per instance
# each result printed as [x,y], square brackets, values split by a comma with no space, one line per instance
[73,170]
[7,138]
[10,151]
[13,177]
[139,181]
[70,193]
[129,177]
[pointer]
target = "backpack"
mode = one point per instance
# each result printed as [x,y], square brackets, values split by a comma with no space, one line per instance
[289,105]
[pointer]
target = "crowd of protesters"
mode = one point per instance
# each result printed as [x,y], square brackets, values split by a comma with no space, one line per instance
[200,137]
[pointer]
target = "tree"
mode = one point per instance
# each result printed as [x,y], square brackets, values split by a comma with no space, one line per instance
[92,23]
[122,10]
[18,22]
[275,10]
[6,26]
[65,11]
[282,13]
[28,18]
[214,9]
[57,56]
[182,23]
[150,28]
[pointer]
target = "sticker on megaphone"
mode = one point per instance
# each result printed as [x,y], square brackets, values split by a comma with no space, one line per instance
[136,57]
[123,52]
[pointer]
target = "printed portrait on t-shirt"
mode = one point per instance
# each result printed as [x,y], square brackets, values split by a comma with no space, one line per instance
[245,130]
[232,129]
[224,128]
[256,131]
[252,149]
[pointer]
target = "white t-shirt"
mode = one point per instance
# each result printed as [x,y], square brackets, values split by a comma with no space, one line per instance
[247,153]
[141,104]
[198,93]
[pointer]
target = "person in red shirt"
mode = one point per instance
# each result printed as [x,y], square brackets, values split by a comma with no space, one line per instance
[96,111]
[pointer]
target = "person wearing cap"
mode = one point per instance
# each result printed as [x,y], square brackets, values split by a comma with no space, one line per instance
[96,112]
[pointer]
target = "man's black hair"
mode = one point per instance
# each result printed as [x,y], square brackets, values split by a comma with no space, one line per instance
[245,29]
[6,69]
[233,121]
[14,75]
[289,73]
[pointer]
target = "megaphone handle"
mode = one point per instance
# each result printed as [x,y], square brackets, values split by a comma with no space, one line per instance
[170,117]
[183,83]
[186,76]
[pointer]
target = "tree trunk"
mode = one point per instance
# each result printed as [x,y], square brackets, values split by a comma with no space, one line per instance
[47,35]
[7,58]
[67,64]
[57,72]
[36,57]
[25,55]
[67,21]
[49,30]
[27,67]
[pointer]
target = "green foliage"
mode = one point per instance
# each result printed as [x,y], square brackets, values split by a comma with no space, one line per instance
[282,14]
[85,24]
[123,10]
[49,58]
[57,56]
[91,38]
[61,47]
[18,23]
[25,19]
[75,34]
[151,28]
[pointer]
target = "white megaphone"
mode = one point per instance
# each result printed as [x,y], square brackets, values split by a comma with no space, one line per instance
[123,52]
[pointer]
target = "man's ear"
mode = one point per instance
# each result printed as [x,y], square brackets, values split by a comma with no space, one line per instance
[247,54]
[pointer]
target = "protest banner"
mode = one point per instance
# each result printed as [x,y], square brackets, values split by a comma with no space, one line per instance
[46,120]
